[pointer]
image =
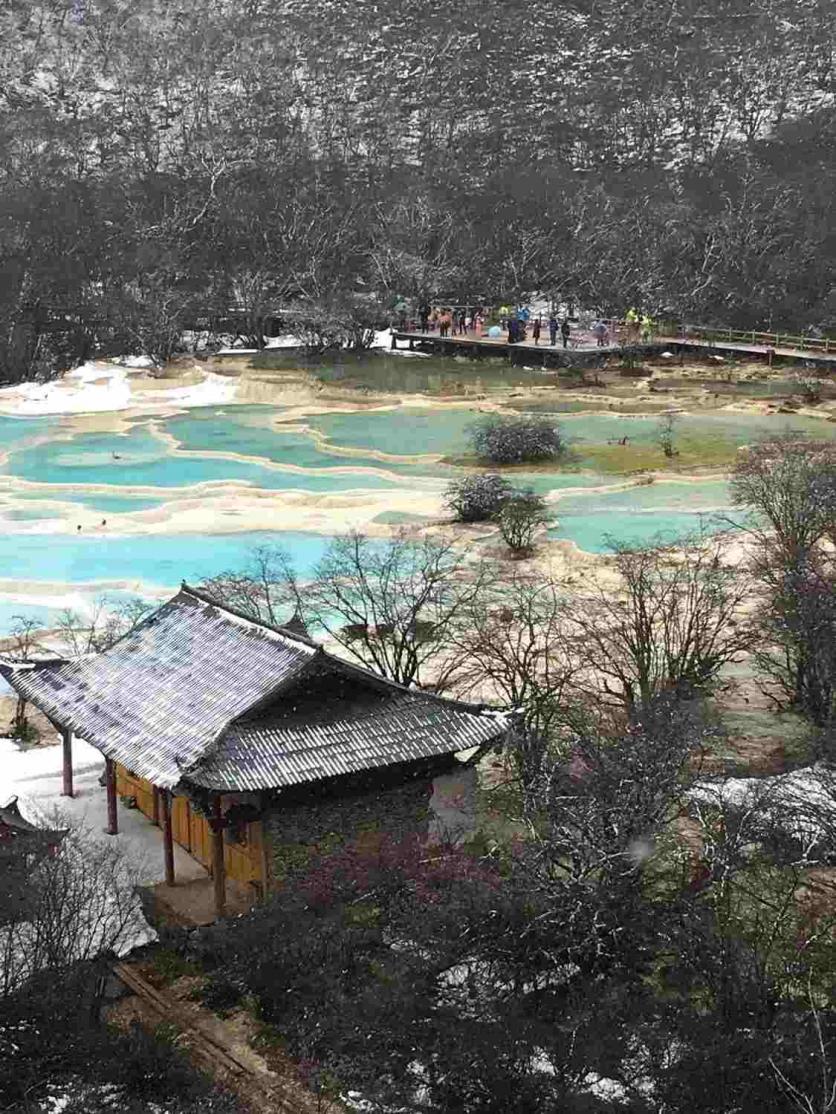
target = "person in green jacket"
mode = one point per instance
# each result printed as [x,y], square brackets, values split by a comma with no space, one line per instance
[647,327]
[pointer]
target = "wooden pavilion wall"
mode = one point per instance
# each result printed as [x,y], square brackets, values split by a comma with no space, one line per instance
[242,861]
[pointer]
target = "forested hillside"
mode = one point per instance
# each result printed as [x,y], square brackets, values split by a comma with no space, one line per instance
[161,161]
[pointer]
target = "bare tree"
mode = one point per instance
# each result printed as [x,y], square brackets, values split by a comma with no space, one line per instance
[788,483]
[110,620]
[77,902]
[513,643]
[673,621]
[24,642]
[798,614]
[264,589]
[608,794]
[392,605]
[519,517]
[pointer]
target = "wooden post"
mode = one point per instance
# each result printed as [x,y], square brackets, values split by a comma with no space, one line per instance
[110,783]
[264,853]
[67,740]
[155,799]
[168,837]
[218,871]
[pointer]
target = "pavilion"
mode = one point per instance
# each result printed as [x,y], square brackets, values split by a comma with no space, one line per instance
[220,728]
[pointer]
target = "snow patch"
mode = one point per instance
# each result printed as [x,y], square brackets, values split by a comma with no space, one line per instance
[97,388]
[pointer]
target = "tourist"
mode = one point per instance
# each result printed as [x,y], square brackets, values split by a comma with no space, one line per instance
[631,320]
[424,318]
[463,322]
[535,330]
[553,327]
[434,315]
[444,324]
[599,330]
[647,327]
[565,331]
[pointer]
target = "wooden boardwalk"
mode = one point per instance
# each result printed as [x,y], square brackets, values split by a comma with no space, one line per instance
[587,353]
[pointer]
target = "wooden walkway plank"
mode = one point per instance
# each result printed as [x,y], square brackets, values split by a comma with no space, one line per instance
[501,346]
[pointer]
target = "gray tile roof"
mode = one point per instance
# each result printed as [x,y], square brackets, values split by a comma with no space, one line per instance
[156,699]
[292,750]
[199,692]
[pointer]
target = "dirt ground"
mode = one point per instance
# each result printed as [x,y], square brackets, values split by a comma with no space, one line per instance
[230,1049]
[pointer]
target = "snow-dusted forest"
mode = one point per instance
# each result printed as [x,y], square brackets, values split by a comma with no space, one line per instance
[164,162]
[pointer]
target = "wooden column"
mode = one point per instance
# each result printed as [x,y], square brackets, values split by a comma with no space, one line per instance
[155,797]
[218,870]
[67,741]
[110,784]
[168,836]
[264,857]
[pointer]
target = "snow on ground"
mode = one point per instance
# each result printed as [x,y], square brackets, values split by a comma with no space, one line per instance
[102,387]
[91,388]
[802,802]
[35,777]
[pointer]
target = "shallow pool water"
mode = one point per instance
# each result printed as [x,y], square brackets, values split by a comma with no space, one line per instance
[262,434]
[141,459]
[416,430]
[161,561]
[593,532]
[736,429]
[15,431]
[93,500]
[643,513]
[169,456]
[403,432]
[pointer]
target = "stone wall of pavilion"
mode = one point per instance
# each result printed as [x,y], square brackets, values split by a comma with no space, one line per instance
[431,799]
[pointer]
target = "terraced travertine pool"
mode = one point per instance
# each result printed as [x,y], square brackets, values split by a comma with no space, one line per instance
[189,494]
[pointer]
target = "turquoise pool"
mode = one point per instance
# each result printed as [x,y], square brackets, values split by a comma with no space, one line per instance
[416,430]
[159,560]
[138,458]
[641,514]
[171,457]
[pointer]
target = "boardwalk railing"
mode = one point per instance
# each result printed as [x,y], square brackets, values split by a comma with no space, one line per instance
[713,334]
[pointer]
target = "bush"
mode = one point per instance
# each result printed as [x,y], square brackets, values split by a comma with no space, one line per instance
[519,517]
[515,440]
[477,498]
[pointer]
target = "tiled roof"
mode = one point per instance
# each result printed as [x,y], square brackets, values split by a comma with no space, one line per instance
[162,694]
[292,750]
[199,692]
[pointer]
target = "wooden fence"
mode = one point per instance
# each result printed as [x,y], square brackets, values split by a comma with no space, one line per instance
[715,335]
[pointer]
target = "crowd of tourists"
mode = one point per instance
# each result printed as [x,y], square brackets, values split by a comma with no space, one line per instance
[521,324]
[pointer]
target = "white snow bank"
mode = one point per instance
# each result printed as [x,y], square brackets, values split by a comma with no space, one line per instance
[214,390]
[96,388]
[89,389]
[802,803]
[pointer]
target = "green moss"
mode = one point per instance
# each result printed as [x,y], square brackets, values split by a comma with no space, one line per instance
[168,965]
[361,915]
[290,858]
[267,1038]
[167,1032]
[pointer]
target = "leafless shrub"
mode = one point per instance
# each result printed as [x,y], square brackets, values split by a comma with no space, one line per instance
[70,905]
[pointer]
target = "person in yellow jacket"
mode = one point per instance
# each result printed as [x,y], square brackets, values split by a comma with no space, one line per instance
[647,327]
[631,325]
